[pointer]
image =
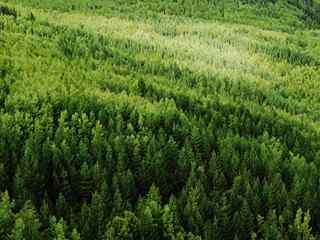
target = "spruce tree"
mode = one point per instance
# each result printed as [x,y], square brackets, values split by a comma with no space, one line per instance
[6,216]
[75,235]
[18,231]
[31,221]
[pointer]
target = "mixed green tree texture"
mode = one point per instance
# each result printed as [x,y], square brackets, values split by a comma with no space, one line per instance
[159,120]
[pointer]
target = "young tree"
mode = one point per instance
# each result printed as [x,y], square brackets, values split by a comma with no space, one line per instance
[18,230]
[57,230]
[300,229]
[96,216]
[149,212]
[31,221]
[270,228]
[61,206]
[97,142]
[123,228]
[193,210]
[6,216]
[20,192]
[85,182]
[3,178]
[170,221]
[44,211]
[84,224]
[75,235]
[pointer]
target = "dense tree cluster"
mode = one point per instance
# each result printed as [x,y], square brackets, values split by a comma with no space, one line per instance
[295,13]
[108,141]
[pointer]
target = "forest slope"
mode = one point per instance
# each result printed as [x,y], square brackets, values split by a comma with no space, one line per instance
[159,120]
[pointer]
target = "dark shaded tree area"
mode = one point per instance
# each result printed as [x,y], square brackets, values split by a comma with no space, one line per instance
[119,173]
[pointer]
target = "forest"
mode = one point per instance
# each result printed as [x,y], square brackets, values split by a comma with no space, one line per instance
[159,120]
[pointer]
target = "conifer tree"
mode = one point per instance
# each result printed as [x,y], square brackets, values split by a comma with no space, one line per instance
[61,206]
[29,217]
[118,205]
[85,182]
[84,223]
[150,212]
[270,227]
[97,142]
[44,211]
[193,210]
[170,220]
[20,192]
[123,228]
[6,216]
[57,230]
[185,159]
[18,230]
[96,217]
[300,229]
[3,178]
[75,235]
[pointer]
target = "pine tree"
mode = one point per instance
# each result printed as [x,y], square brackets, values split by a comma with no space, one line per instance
[31,173]
[170,220]
[185,158]
[83,152]
[96,217]
[245,221]
[148,224]
[211,230]
[196,139]
[300,229]
[224,218]
[85,182]
[51,228]
[136,157]
[44,211]
[57,230]
[84,225]
[20,192]
[118,205]
[127,185]
[109,163]
[61,206]
[123,228]
[191,236]
[75,235]
[31,221]
[106,196]
[18,230]
[193,211]
[217,180]
[3,178]
[6,216]
[97,142]
[271,227]
[149,212]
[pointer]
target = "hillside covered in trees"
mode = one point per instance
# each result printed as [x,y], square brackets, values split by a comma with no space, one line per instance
[152,120]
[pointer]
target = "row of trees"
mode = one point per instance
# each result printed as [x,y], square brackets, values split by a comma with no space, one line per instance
[207,9]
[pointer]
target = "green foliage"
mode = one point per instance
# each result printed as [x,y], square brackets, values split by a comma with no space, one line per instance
[122,228]
[18,230]
[174,120]
[300,228]
[27,223]
[57,229]
[5,10]
[6,215]
[75,235]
